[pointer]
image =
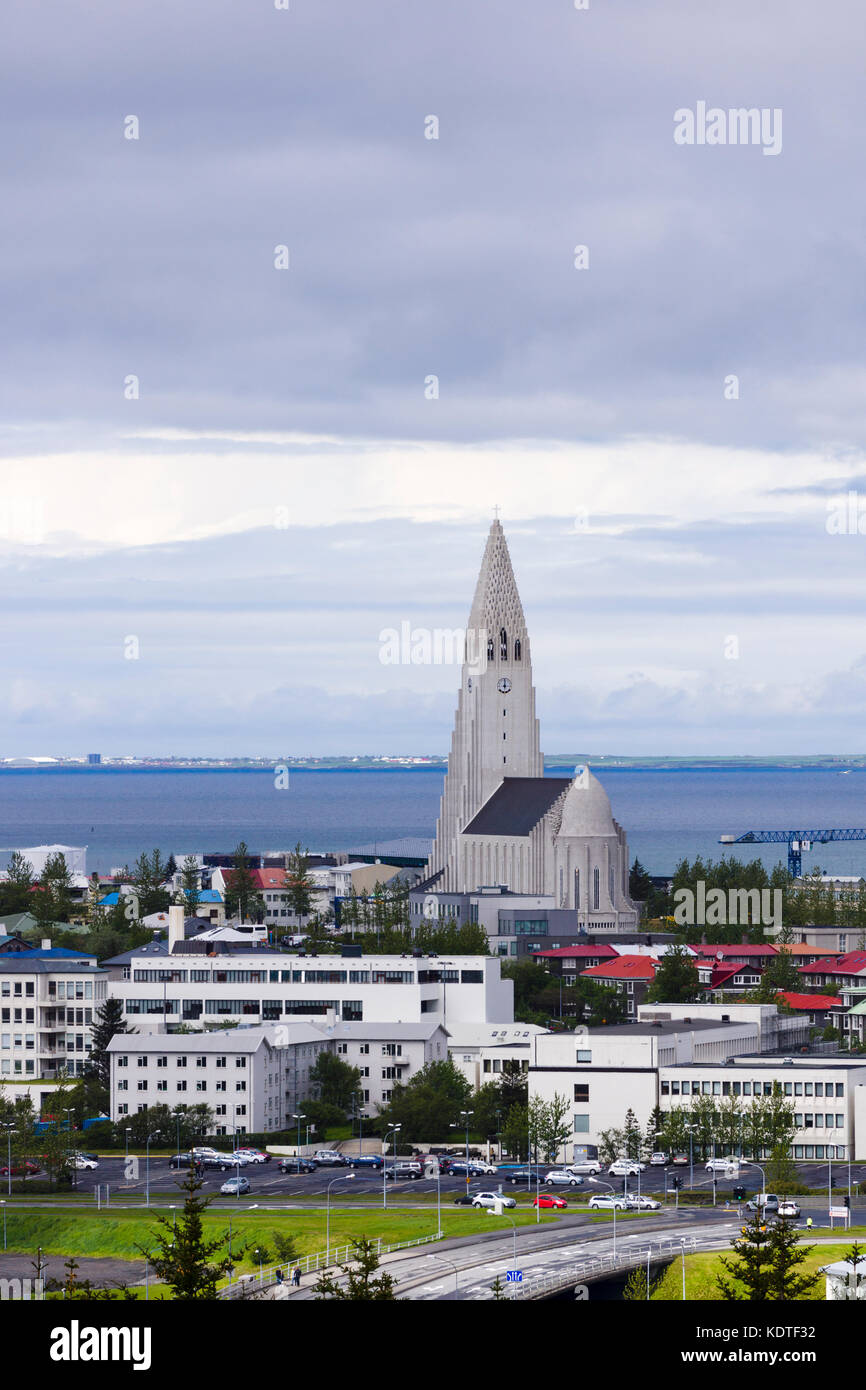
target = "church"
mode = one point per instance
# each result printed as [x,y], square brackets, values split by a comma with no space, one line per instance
[547,850]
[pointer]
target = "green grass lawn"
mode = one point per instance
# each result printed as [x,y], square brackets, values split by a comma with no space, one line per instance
[118,1234]
[701,1271]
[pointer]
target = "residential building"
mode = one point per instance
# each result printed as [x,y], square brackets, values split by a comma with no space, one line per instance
[487,1051]
[48,999]
[386,1054]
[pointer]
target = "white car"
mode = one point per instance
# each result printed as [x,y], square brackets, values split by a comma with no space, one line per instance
[721,1165]
[565,1177]
[80,1164]
[625,1168]
[642,1203]
[489,1199]
[252,1155]
[477,1166]
[658,1160]
[590,1166]
[608,1203]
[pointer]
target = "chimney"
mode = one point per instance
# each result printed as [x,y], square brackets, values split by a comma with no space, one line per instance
[46,943]
[175,927]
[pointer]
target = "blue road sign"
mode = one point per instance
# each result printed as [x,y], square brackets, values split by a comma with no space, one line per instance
[514,1276]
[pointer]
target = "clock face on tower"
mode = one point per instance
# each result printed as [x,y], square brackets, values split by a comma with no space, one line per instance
[504,686]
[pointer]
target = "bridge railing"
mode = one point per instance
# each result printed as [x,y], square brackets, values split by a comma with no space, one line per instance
[250,1285]
[595,1266]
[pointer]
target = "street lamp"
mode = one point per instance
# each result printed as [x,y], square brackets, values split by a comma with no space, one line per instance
[298,1154]
[3,1205]
[599,1183]
[490,1212]
[126,1155]
[10,1130]
[447,1262]
[465,1116]
[344,1177]
[395,1130]
[155,1135]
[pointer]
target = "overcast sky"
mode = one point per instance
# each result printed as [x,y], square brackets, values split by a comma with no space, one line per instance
[283,489]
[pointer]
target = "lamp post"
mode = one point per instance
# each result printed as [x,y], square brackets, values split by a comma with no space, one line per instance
[514,1229]
[177,1114]
[155,1135]
[126,1155]
[395,1130]
[10,1130]
[447,1262]
[3,1205]
[298,1155]
[612,1190]
[691,1130]
[344,1177]
[465,1116]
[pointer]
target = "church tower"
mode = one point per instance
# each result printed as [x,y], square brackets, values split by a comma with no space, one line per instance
[496,733]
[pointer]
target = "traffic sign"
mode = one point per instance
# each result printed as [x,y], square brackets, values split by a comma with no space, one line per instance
[514,1276]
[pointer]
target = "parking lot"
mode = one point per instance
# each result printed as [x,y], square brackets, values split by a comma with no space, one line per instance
[265,1179]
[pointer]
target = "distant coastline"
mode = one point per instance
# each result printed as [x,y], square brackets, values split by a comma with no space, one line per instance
[601,761]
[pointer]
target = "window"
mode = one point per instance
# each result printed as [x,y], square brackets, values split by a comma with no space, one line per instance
[240,1085]
[798,1088]
[180,1061]
[162,1085]
[220,1085]
[581,1094]
[201,1061]
[595,888]
[220,1061]
[123,1061]
[181,1086]
[840,1089]
[142,1085]
[123,1085]
[819,1088]
[365,1071]
[581,1124]
[240,1061]
[342,1049]
[142,1061]
[583,1055]
[162,1061]
[390,1073]
[364,1049]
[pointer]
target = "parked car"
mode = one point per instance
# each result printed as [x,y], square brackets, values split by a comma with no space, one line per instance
[465,1201]
[405,1171]
[590,1166]
[254,1155]
[235,1187]
[490,1199]
[642,1203]
[182,1160]
[365,1161]
[625,1168]
[788,1209]
[329,1158]
[22,1170]
[520,1175]
[565,1177]
[202,1151]
[80,1164]
[721,1165]
[658,1160]
[297,1165]
[680,1159]
[604,1203]
[549,1199]
[477,1165]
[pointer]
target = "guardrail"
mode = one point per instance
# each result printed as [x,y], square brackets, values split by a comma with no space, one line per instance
[250,1285]
[598,1265]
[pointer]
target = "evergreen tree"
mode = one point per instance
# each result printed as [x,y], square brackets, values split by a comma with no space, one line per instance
[676,980]
[243,898]
[298,882]
[108,1023]
[52,901]
[750,1272]
[190,885]
[640,884]
[779,974]
[856,1256]
[149,876]
[183,1258]
[360,1286]
[631,1136]
[16,893]
[497,1288]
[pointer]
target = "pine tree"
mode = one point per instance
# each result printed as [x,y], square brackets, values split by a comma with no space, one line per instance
[751,1268]
[190,885]
[108,1023]
[498,1290]
[243,898]
[855,1281]
[182,1258]
[298,882]
[360,1286]
[676,980]
[786,1255]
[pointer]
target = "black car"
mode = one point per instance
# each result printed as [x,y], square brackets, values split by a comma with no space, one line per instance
[182,1161]
[463,1201]
[297,1165]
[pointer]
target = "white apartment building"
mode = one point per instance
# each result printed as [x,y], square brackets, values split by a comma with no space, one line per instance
[48,1000]
[253,1079]
[485,1051]
[776,1032]
[607,1071]
[822,1090]
[203,984]
[386,1053]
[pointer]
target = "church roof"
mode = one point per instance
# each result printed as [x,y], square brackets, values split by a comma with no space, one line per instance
[517,805]
[586,813]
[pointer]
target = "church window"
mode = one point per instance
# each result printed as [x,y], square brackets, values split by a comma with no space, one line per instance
[577,887]
[595,888]
[517,649]
[503,644]
[610,883]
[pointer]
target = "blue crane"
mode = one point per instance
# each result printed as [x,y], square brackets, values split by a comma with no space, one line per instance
[797,841]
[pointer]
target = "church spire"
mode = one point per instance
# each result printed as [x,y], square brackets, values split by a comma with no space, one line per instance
[496,732]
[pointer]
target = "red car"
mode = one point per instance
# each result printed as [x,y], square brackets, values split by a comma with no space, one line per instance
[22,1170]
[547,1199]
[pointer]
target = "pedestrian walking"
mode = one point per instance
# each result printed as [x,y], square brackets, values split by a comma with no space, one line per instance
[296,1276]
[808,1223]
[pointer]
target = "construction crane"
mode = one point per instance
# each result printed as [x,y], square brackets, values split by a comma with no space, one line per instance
[798,841]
